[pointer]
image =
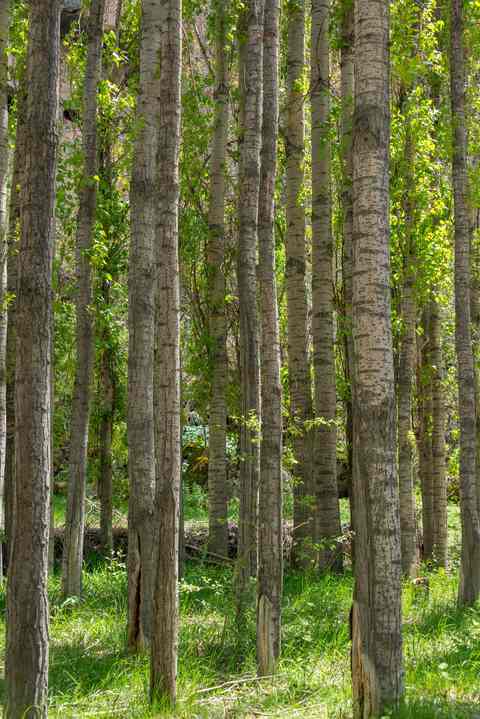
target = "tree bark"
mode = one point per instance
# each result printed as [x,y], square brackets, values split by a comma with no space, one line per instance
[377,669]
[75,516]
[469,588]
[163,674]
[4,163]
[107,413]
[327,518]
[249,185]
[141,287]
[424,433]
[406,369]
[217,426]
[26,671]
[270,544]
[303,553]
[439,479]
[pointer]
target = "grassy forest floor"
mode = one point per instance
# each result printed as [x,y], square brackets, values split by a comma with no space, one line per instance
[92,675]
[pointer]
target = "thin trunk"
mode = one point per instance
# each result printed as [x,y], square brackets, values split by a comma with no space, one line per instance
[4,163]
[327,518]
[347,68]
[107,411]
[469,589]
[424,433]
[141,322]
[406,370]
[270,545]
[217,427]
[249,184]
[377,667]
[303,553]
[163,671]
[26,670]
[75,516]
[439,479]
[11,349]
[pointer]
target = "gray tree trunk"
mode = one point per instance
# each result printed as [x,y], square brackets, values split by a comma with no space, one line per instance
[141,322]
[217,426]
[327,519]
[377,667]
[75,516]
[249,184]
[163,673]
[303,553]
[469,589]
[270,544]
[26,670]
[107,412]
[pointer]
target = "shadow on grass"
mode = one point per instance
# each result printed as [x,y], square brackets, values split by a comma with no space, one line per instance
[438,709]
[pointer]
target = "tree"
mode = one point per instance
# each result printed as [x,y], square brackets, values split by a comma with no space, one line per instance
[4,156]
[327,517]
[270,528]
[424,432]
[163,670]
[439,479]
[377,669]
[248,191]
[75,517]
[469,589]
[217,426]
[406,364]
[26,669]
[141,285]
[296,290]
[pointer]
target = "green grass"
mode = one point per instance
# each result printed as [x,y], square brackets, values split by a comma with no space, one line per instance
[93,676]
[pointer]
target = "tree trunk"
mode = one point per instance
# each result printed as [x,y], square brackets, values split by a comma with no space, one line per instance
[217,426]
[469,589]
[75,516]
[270,544]
[424,433]
[376,615]
[303,553]
[4,156]
[327,518]
[347,89]
[107,411]
[26,671]
[249,185]
[440,547]
[163,674]
[407,368]
[141,288]
[11,349]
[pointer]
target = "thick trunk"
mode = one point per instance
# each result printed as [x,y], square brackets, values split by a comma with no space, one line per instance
[424,433]
[327,518]
[270,552]
[163,674]
[4,154]
[439,479]
[141,288]
[469,589]
[75,516]
[376,616]
[296,287]
[249,183]
[26,671]
[406,370]
[217,426]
